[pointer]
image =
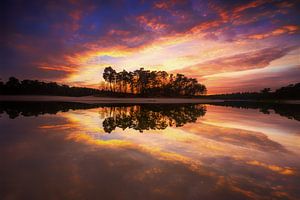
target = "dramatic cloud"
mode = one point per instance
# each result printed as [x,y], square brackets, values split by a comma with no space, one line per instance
[71,41]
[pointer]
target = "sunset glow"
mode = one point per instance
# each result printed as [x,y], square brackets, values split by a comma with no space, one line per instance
[229,46]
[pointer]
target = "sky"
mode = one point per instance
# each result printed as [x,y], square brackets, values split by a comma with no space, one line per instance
[230,46]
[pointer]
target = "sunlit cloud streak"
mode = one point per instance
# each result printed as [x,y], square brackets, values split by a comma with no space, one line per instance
[238,62]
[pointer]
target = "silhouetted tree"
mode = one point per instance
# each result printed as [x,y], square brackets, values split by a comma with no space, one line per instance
[289,92]
[152,83]
[266,90]
[109,75]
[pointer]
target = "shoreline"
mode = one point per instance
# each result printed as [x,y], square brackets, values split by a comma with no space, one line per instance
[116,100]
[105,100]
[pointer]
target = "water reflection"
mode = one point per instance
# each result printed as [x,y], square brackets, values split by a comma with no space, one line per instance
[291,111]
[189,152]
[26,109]
[146,117]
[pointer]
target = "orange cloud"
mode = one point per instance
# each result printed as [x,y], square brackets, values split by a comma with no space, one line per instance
[76,14]
[118,32]
[152,23]
[161,5]
[234,14]
[167,4]
[289,29]
[53,67]
[275,168]
[252,4]
[224,14]
[204,26]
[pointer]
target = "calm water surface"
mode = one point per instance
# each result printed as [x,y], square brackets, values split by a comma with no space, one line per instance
[79,151]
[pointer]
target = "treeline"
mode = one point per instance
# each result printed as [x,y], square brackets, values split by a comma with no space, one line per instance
[151,83]
[34,87]
[291,91]
[141,83]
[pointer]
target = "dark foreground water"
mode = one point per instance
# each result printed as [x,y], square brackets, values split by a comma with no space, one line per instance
[78,151]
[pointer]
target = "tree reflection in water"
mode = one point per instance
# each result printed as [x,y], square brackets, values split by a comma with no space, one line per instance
[155,117]
[138,117]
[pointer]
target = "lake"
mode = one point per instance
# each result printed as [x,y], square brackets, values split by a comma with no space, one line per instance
[222,150]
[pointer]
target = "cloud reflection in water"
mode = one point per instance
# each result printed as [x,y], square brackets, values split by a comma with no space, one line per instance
[73,155]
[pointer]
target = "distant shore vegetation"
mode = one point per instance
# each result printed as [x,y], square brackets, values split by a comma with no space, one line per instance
[291,91]
[34,87]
